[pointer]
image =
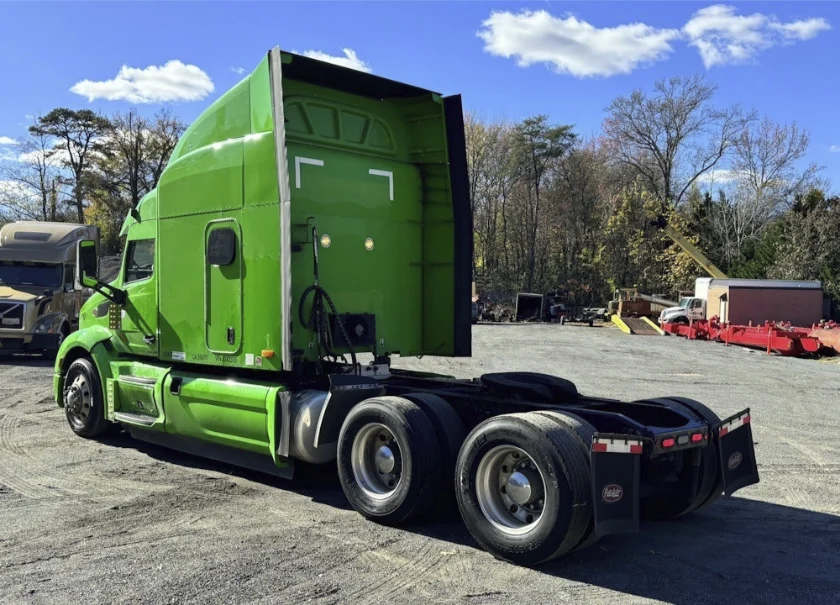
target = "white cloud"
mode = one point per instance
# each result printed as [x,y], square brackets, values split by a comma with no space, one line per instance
[573,46]
[722,37]
[8,156]
[59,156]
[804,29]
[350,59]
[576,47]
[8,141]
[15,190]
[173,81]
[834,149]
[720,176]
[238,70]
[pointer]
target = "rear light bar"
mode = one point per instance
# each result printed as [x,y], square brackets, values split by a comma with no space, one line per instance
[685,439]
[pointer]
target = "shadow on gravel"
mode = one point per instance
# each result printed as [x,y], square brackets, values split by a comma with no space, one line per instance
[737,551]
[32,361]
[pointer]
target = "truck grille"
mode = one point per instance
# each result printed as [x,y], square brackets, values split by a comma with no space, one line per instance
[11,316]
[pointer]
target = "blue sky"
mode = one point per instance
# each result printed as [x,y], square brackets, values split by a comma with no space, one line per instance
[777,57]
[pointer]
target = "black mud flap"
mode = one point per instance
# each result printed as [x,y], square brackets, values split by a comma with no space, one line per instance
[615,462]
[737,454]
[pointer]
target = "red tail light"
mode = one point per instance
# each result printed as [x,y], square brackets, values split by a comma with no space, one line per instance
[697,437]
[666,443]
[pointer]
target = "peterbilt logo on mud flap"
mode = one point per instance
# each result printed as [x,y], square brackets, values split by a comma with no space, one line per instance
[734,461]
[612,493]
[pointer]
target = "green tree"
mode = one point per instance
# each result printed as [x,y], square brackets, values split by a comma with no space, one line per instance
[77,134]
[537,147]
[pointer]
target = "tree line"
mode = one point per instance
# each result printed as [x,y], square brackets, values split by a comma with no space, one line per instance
[83,166]
[556,212]
[552,210]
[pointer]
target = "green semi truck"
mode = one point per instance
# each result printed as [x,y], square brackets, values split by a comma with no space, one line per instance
[312,223]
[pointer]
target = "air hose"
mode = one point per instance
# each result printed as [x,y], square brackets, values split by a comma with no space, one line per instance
[317,321]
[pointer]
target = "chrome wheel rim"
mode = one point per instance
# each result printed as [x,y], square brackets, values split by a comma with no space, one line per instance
[376,461]
[78,400]
[510,490]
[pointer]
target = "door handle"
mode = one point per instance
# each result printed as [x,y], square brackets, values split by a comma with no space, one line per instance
[231,335]
[149,339]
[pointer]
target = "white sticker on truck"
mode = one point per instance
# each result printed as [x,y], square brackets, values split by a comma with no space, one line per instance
[179,356]
[249,359]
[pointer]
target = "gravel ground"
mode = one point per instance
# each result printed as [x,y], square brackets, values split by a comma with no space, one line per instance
[122,522]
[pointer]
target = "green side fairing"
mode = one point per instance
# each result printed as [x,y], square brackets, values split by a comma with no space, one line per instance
[359,169]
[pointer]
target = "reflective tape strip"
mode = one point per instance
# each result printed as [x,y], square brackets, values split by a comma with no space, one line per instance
[734,424]
[628,446]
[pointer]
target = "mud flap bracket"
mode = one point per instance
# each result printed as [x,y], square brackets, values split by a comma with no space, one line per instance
[615,462]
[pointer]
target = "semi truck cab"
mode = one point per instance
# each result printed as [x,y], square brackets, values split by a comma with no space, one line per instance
[313,223]
[39,303]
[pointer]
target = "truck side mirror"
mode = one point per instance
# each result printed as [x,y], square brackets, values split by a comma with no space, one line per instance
[87,264]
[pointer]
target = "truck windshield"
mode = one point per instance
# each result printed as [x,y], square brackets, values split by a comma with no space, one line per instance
[684,303]
[41,275]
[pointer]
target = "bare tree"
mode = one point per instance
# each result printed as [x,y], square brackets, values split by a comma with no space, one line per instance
[166,131]
[766,179]
[130,157]
[672,137]
[489,155]
[37,175]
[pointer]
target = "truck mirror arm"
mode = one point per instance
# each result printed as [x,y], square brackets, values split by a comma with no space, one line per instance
[115,295]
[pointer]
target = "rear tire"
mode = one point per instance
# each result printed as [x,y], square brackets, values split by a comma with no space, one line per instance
[450,433]
[389,460]
[709,477]
[716,491]
[584,432]
[522,488]
[533,385]
[84,403]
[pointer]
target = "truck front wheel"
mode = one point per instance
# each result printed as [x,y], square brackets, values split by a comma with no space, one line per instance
[84,405]
[389,460]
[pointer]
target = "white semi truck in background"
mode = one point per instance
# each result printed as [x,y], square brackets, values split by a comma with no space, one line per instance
[39,304]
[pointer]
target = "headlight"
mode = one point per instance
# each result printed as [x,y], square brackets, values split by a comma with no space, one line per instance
[45,325]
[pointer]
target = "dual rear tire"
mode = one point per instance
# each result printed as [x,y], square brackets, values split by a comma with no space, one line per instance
[521,480]
[396,456]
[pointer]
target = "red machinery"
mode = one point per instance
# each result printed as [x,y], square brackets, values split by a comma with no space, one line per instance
[778,337]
